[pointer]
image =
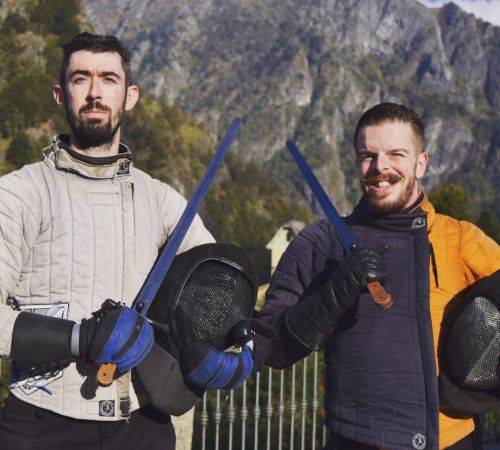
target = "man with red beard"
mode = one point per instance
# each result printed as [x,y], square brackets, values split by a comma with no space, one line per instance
[80,227]
[381,376]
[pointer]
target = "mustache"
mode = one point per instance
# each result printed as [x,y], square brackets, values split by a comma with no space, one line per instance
[391,178]
[94,105]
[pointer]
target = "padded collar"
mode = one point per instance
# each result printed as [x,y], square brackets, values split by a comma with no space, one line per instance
[60,155]
[417,216]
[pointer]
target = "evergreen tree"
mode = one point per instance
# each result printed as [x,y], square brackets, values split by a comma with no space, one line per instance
[488,222]
[451,200]
[22,150]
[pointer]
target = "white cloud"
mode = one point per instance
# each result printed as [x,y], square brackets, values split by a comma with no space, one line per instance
[488,10]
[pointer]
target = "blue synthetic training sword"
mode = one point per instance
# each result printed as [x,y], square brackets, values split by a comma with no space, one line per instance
[157,274]
[160,268]
[381,298]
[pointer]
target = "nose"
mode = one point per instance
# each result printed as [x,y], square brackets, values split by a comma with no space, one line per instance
[94,92]
[381,162]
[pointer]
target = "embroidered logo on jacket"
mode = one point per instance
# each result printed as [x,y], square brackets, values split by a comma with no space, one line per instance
[419,441]
[123,167]
[107,408]
[418,222]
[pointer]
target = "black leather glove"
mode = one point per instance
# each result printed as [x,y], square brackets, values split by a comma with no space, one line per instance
[359,267]
[314,317]
[261,336]
[115,334]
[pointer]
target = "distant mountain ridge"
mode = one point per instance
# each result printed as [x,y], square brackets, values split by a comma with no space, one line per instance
[306,69]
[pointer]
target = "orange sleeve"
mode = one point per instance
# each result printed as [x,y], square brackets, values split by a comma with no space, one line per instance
[479,253]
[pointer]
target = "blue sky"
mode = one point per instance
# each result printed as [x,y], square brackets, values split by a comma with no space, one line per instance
[488,10]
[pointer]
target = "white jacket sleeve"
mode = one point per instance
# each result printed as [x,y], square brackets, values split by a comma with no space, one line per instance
[19,227]
[172,205]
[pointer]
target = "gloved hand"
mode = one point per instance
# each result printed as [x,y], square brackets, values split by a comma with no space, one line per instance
[314,317]
[210,368]
[359,267]
[116,334]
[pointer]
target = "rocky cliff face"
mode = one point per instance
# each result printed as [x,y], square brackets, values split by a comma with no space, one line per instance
[306,69]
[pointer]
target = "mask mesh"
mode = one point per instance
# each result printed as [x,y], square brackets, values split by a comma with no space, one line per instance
[214,297]
[473,348]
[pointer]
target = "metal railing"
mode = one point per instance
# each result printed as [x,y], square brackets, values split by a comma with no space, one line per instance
[280,410]
[262,414]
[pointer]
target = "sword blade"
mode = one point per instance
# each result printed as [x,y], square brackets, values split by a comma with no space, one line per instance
[331,213]
[160,268]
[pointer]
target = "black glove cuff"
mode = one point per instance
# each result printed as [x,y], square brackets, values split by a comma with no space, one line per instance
[312,320]
[261,350]
[348,281]
[40,344]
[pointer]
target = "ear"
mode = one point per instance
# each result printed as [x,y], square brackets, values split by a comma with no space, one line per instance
[57,92]
[422,161]
[132,97]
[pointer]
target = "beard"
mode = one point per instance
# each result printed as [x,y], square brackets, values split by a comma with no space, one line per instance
[94,132]
[381,205]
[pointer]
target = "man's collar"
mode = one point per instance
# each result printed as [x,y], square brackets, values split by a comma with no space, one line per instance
[414,205]
[418,215]
[427,207]
[65,159]
[63,141]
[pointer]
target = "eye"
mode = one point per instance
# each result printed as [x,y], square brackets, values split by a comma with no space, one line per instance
[365,158]
[110,80]
[79,79]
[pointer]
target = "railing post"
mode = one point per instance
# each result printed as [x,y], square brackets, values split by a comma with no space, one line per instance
[217,417]
[293,407]
[269,407]
[314,402]
[303,405]
[231,415]
[244,416]
[281,409]
[256,411]
[204,422]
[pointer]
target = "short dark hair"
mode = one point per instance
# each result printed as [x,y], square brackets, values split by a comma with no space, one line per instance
[95,43]
[391,112]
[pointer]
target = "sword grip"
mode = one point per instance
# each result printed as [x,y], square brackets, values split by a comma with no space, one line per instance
[380,297]
[106,373]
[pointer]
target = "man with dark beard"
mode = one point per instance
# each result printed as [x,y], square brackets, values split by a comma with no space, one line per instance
[381,389]
[80,227]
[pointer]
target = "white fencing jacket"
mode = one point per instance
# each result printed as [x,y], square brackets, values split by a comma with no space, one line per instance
[73,234]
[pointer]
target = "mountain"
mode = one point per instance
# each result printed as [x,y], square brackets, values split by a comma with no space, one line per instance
[306,69]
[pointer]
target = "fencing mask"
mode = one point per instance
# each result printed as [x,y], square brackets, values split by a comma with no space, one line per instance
[207,290]
[469,348]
